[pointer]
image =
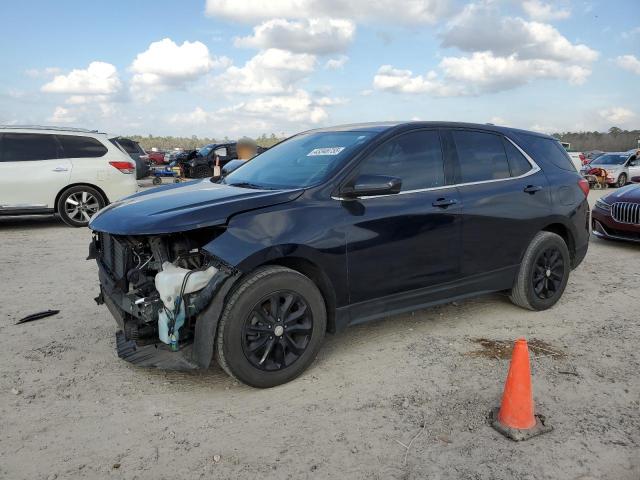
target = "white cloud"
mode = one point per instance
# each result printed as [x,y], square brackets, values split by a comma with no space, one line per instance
[336,63]
[269,72]
[291,112]
[45,72]
[504,53]
[479,27]
[544,12]
[410,12]
[485,72]
[617,116]
[403,81]
[315,35]
[62,115]
[166,64]
[497,120]
[99,78]
[629,62]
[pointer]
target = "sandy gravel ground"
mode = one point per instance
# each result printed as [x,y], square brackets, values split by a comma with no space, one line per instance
[69,408]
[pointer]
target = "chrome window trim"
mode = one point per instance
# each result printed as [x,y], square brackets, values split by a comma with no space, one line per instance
[535,168]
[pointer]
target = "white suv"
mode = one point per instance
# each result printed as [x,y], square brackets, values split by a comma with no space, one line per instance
[71,172]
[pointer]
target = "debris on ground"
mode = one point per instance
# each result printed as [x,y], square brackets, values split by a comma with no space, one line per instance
[501,349]
[37,316]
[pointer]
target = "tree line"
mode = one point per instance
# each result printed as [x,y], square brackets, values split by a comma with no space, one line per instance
[614,140]
[189,143]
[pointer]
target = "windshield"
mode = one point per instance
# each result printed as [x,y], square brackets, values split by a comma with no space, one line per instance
[204,151]
[300,161]
[611,159]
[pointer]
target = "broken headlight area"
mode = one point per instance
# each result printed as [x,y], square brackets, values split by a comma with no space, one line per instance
[155,286]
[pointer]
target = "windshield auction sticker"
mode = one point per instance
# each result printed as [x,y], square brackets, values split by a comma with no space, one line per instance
[316,152]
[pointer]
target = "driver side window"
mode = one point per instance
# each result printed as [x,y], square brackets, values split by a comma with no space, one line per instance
[415,157]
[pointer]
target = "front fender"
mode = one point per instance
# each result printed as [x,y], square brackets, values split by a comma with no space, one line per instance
[313,232]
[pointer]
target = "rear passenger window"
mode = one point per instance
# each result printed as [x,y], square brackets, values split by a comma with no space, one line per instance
[546,149]
[24,147]
[81,147]
[481,156]
[415,158]
[518,163]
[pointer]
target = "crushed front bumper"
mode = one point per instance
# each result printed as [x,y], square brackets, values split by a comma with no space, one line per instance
[197,352]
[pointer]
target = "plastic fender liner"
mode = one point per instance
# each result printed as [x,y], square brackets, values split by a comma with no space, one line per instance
[207,322]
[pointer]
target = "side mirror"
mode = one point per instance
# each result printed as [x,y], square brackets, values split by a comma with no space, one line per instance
[372,185]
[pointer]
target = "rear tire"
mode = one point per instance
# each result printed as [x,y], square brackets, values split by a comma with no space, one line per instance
[274,310]
[78,204]
[543,273]
[622,180]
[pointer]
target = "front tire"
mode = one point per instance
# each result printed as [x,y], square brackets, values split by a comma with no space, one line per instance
[543,273]
[78,204]
[271,328]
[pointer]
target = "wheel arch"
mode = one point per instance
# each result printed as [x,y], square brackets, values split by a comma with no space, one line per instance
[79,184]
[564,232]
[318,276]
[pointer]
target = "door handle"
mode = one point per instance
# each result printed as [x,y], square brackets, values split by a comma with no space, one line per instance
[60,169]
[444,202]
[532,189]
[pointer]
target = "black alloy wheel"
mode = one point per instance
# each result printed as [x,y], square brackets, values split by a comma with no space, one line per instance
[548,273]
[277,331]
[271,327]
[543,274]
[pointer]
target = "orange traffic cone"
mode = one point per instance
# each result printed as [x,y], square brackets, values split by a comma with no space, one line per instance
[516,418]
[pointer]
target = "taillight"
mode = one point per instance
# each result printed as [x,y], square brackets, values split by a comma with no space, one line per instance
[582,157]
[124,167]
[584,186]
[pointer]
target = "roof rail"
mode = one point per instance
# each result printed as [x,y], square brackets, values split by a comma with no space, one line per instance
[48,127]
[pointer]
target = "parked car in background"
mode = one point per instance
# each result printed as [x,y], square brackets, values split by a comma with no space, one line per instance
[620,166]
[578,159]
[592,154]
[71,172]
[201,163]
[331,228]
[171,155]
[137,154]
[156,157]
[616,216]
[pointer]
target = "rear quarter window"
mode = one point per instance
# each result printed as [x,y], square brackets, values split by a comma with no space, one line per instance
[81,147]
[546,149]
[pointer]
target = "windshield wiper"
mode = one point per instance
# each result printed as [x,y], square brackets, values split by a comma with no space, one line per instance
[247,185]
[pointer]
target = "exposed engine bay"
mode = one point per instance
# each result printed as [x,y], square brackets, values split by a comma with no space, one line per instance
[156,285]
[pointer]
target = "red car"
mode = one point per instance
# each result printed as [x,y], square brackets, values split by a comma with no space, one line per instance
[617,215]
[156,158]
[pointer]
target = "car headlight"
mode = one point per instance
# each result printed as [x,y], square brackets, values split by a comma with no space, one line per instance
[601,204]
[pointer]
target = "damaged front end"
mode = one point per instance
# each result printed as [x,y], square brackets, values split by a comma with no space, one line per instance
[166,293]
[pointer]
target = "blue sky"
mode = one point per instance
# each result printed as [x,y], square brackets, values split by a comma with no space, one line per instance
[245,67]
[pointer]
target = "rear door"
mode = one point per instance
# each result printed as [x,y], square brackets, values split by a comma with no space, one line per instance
[410,240]
[504,196]
[32,171]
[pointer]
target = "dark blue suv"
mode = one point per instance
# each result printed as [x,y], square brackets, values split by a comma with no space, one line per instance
[334,227]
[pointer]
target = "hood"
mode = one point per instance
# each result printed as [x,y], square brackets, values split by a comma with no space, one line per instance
[630,193]
[182,207]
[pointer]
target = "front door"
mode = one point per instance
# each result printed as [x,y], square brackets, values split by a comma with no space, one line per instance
[410,240]
[31,174]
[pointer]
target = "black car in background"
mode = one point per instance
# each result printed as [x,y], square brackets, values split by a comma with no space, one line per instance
[331,228]
[200,163]
[137,154]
